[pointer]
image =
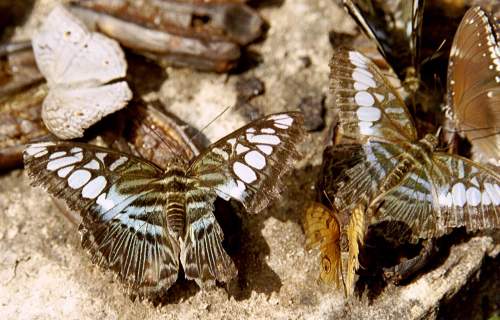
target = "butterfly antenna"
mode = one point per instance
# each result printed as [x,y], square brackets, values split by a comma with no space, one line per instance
[151,128]
[211,121]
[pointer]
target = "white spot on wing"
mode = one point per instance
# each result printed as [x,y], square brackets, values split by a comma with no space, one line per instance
[267,130]
[64,171]
[368,114]
[64,161]
[473,196]
[244,172]
[118,163]
[94,187]
[101,156]
[458,193]
[57,154]
[364,98]
[264,138]
[265,148]
[92,164]
[255,159]
[78,178]
[241,148]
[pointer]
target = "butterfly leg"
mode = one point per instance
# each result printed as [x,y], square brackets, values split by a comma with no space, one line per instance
[407,268]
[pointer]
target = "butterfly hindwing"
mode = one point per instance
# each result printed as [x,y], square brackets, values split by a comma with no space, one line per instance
[121,203]
[202,255]
[474,82]
[368,106]
[248,164]
[469,194]
[322,230]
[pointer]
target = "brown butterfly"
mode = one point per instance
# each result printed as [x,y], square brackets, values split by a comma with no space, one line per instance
[473,99]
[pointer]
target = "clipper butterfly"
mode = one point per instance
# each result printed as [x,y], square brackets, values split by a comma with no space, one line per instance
[143,221]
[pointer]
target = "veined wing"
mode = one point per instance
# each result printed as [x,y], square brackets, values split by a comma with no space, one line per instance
[474,82]
[323,230]
[394,26]
[248,164]
[454,192]
[121,200]
[368,106]
[470,196]
[371,165]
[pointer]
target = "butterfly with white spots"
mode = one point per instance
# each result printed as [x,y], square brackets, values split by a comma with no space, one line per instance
[390,175]
[143,221]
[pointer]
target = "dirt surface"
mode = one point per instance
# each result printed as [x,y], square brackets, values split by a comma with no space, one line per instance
[44,273]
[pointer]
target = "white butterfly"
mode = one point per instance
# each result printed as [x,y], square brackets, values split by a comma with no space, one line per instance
[78,64]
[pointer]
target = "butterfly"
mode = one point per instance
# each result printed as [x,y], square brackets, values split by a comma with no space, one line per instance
[78,66]
[395,27]
[393,176]
[143,221]
[473,98]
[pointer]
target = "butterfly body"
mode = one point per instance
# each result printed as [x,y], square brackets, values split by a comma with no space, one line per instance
[143,221]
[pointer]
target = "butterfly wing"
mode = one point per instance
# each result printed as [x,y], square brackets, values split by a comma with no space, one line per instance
[395,27]
[454,192]
[473,81]
[67,53]
[248,164]
[68,112]
[322,229]
[202,255]
[368,107]
[122,205]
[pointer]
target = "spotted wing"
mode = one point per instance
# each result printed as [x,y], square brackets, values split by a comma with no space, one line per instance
[322,229]
[474,82]
[121,201]
[368,106]
[248,164]
[453,192]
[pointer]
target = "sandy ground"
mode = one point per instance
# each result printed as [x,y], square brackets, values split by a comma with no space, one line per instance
[44,274]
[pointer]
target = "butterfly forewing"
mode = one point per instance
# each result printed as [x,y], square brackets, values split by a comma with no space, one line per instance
[248,164]
[474,81]
[368,106]
[121,202]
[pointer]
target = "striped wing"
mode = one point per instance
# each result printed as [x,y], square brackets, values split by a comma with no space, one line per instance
[454,192]
[121,203]
[202,255]
[368,106]
[474,82]
[397,41]
[248,164]
[370,167]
